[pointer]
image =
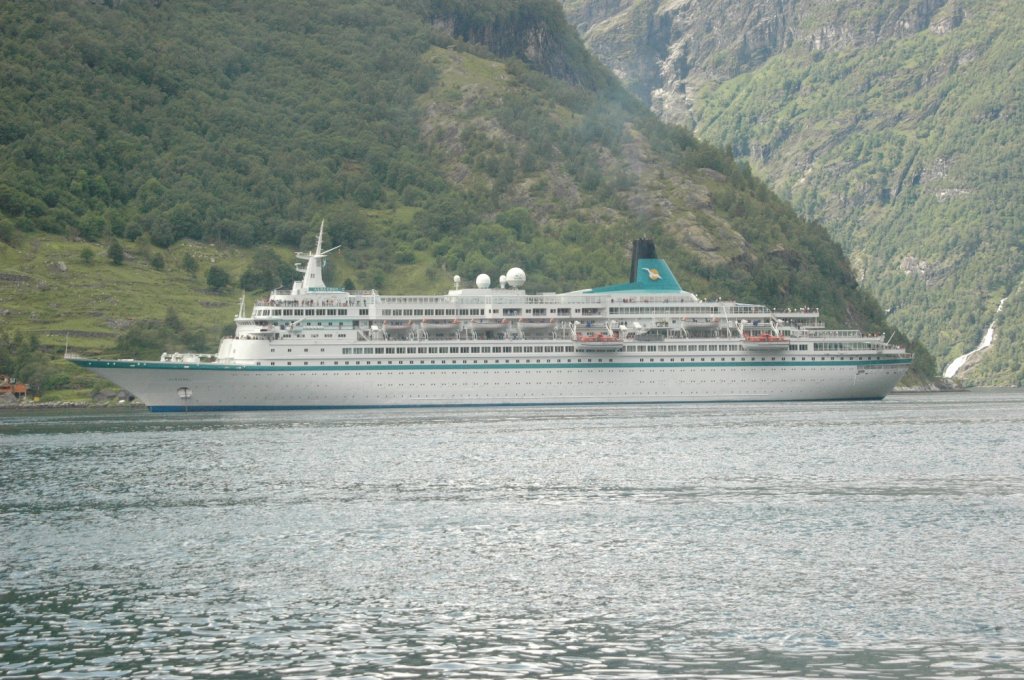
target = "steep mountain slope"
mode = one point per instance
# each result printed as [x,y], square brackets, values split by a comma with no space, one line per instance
[436,138]
[896,123]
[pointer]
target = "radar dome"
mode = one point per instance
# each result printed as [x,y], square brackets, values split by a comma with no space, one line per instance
[516,277]
[483,281]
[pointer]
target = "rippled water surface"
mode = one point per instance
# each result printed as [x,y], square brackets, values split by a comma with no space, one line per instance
[880,540]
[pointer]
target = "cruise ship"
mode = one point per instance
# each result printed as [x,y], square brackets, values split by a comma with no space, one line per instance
[646,341]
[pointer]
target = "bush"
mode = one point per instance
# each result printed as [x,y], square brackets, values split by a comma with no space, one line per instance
[115,253]
[217,278]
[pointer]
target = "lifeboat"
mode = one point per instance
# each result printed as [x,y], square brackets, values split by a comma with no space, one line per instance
[533,326]
[597,342]
[765,342]
[397,326]
[439,325]
[487,325]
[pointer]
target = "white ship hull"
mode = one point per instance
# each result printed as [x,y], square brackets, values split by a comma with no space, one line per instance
[165,386]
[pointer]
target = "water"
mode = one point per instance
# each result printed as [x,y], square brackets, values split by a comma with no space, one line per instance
[877,540]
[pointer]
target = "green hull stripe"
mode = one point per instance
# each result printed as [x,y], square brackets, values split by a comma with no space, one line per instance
[172,366]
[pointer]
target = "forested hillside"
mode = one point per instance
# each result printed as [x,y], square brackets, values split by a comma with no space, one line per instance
[435,137]
[898,124]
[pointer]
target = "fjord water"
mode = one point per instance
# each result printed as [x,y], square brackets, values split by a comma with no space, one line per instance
[878,539]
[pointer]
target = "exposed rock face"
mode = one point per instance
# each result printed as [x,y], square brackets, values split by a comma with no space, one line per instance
[525,31]
[667,50]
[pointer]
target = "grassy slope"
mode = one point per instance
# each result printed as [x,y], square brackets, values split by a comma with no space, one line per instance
[89,305]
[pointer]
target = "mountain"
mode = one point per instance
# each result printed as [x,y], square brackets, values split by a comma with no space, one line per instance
[436,137]
[898,124]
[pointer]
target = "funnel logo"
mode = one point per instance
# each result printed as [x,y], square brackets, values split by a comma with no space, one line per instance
[652,273]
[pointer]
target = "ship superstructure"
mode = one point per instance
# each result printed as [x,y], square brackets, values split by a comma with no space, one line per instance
[644,341]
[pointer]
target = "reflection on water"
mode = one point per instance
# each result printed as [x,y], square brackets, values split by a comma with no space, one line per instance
[747,541]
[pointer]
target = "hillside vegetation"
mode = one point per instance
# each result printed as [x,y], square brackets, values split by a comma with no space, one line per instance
[435,138]
[899,125]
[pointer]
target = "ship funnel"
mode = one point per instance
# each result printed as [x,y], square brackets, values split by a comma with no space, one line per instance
[643,249]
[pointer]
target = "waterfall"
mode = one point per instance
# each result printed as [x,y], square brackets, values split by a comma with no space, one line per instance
[985,343]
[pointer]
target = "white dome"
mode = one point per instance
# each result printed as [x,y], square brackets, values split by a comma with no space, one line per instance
[516,277]
[483,281]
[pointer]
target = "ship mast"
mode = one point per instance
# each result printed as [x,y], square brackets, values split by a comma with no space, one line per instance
[313,269]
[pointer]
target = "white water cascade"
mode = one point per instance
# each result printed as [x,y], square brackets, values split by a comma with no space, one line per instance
[985,343]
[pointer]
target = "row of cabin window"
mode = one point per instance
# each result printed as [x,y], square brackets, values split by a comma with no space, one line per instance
[548,361]
[538,348]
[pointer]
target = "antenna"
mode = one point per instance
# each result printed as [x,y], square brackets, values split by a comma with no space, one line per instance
[320,237]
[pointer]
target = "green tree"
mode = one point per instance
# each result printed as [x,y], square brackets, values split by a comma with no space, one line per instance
[266,271]
[217,278]
[115,253]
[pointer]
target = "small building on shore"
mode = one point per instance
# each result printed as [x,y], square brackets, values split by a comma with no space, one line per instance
[9,385]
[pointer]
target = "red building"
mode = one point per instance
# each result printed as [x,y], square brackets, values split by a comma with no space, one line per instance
[9,385]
